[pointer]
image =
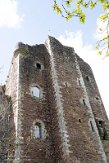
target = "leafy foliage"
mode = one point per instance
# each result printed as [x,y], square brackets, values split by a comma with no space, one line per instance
[103,42]
[76,8]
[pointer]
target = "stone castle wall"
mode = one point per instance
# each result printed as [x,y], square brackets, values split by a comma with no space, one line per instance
[68,111]
[5,113]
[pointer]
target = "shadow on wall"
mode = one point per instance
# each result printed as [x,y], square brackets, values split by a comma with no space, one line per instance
[7,127]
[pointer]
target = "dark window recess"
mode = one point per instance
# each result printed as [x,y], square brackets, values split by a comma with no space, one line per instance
[92,127]
[80,120]
[102,129]
[97,98]
[87,78]
[84,102]
[66,84]
[79,82]
[38,66]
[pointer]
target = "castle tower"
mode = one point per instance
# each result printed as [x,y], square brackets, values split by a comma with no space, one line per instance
[57,113]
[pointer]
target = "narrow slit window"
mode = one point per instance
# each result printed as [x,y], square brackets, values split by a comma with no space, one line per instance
[84,102]
[92,127]
[87,78]
[66,85]
[78,82]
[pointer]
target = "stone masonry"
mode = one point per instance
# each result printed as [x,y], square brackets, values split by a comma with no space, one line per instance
[50,108]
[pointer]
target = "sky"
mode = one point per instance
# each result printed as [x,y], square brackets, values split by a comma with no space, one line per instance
[31,22]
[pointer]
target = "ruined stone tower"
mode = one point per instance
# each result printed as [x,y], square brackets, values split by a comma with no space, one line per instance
[53,112]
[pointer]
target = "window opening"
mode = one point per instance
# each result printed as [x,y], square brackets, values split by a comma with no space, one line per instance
[87,78]
[79,82]
[102,129]
[66,84]
[38,66]
[80,120]
[38,131]
[35,92]
[92,126]
[84,102]
[97,98]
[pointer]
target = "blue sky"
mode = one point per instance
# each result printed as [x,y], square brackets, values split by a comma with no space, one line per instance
[31,22]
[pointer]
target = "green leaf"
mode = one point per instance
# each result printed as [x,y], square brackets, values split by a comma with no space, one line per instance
[105,5]
[100,53]
[78,8]
[96,47]
[68,16]
[82,18]
[79,2]
[68,3]
[57,9]
[100,29]
[101,1]
[104,17]
[92,4]
[85,5]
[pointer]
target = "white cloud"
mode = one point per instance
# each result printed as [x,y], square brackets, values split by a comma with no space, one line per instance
[75,40]
[8,14]
[100,66]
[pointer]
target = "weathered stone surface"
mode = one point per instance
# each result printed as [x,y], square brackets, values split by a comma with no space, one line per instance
[69,110]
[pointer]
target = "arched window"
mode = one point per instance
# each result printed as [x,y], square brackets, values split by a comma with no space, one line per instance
[38,130]
[97,98]
[87,78]
[35,91]
[38,66]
